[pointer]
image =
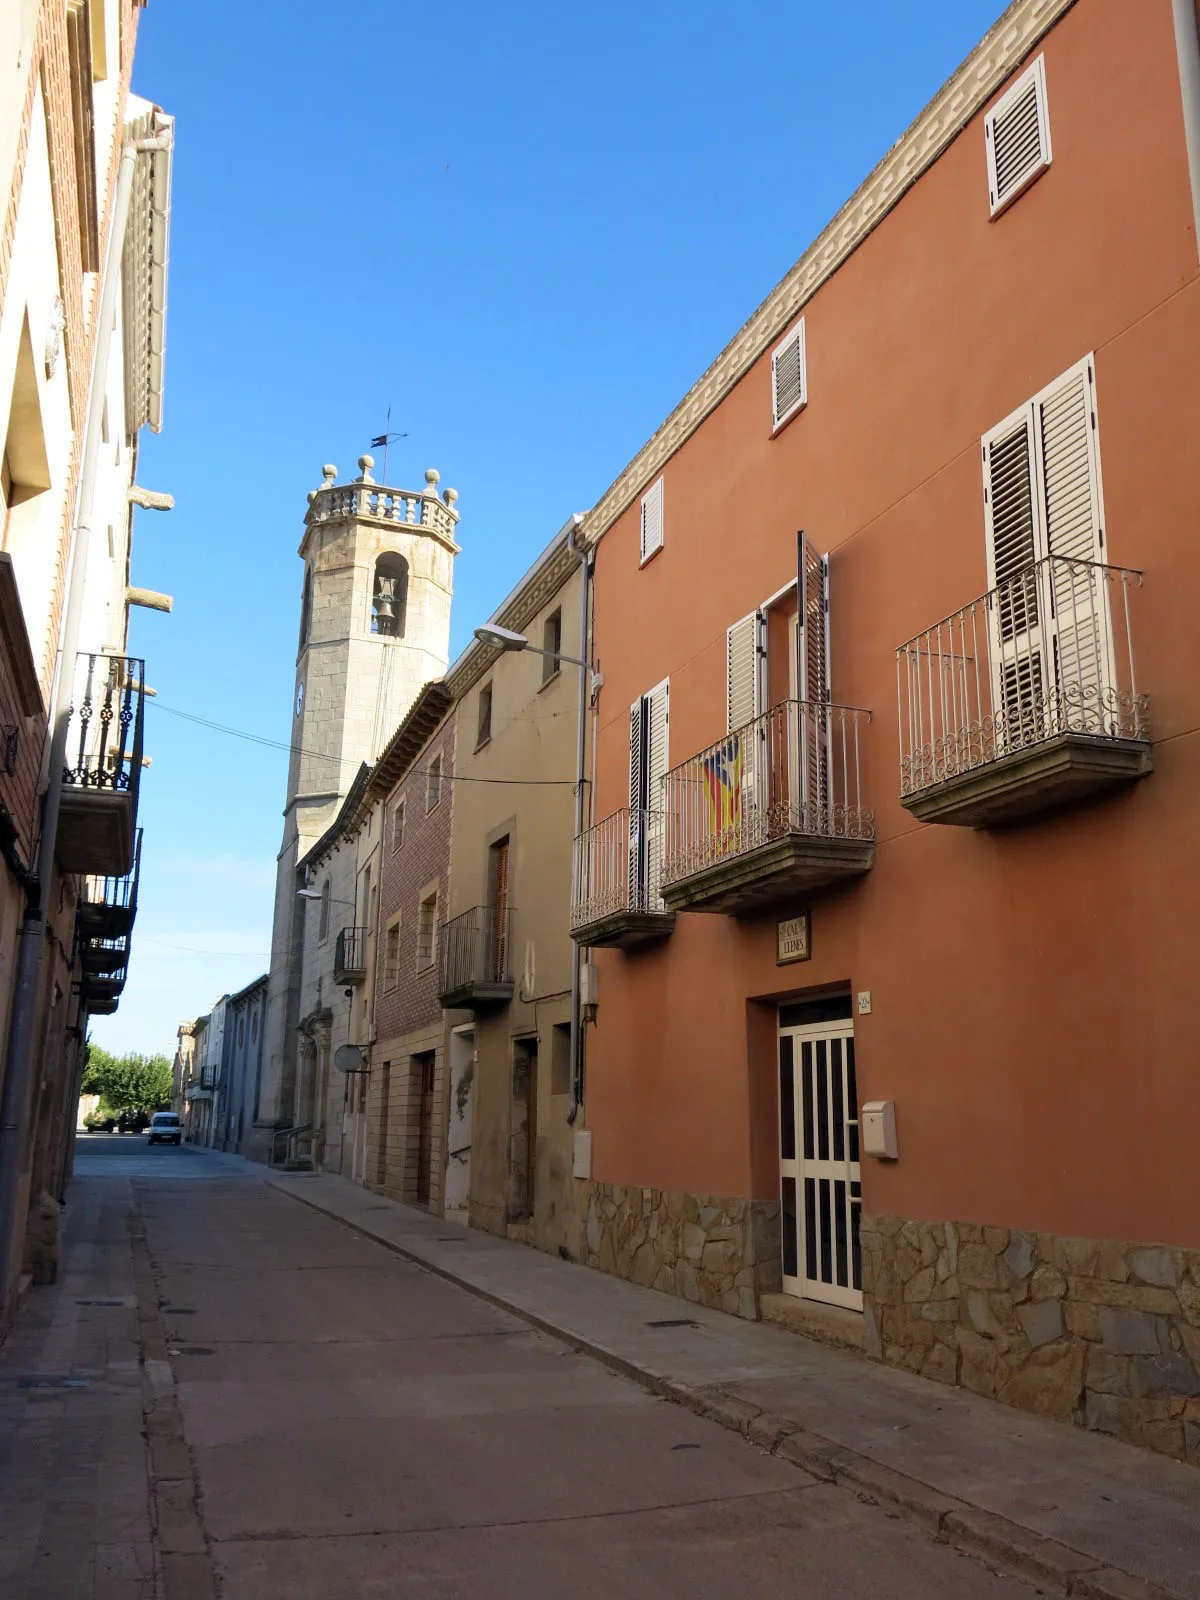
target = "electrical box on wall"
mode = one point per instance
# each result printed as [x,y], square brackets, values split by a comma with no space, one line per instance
[589,984]
[877,1123]
[583,1154]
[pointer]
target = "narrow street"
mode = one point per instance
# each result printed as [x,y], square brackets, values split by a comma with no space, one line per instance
[358,1427]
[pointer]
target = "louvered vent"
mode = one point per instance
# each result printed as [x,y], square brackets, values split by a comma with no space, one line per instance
[652,520]
[1017,133]
[789,386]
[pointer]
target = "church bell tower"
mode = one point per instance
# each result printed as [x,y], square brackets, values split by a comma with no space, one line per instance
[374,628]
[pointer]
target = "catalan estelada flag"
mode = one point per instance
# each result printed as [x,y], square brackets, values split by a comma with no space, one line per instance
[723,786]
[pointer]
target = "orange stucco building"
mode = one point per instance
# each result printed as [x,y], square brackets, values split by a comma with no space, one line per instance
[931,851]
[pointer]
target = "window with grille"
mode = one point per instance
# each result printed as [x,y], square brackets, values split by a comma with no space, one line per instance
[433,783]
[551,645]
[391,955]
[427,931]
[652,521]
[789,376]
[484,729]
[1016,132]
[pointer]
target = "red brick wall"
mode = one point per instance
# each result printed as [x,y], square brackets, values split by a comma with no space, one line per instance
[424,856]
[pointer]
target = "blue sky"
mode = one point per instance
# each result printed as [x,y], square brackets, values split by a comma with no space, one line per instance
[528,229]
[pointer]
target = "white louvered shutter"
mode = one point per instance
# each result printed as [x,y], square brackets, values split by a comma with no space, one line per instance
[658,720]
[789,379]
[1080,643]
[1013,546]
[815,732]
[1016,132]
[637,802]
[741,672]
[652,520]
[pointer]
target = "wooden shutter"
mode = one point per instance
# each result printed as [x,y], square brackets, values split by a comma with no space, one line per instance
[789,380]
[1013,546]
[814,734]
[741,672]
[658,717]
[637,802]
[1016,132]
[652,520]
[1068,459]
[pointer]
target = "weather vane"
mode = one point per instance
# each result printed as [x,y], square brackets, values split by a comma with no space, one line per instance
[383,440]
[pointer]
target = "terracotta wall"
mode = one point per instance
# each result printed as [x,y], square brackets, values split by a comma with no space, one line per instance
[1031,989]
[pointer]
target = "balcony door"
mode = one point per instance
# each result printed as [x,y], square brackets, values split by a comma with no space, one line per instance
[1051,642]
[649,727]
[819,1173]
[496,955]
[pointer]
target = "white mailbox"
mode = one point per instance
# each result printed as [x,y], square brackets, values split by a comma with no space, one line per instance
[582,1165]
[877,1122]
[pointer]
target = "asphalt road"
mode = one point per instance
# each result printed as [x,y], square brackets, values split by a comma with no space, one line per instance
[359,1428]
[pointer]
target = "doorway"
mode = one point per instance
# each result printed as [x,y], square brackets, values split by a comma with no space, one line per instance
[522,1138]
[424,1071]
[496,969]
[820,1176]
[458,1140]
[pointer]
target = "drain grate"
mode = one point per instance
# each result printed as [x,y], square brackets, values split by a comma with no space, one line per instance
[38,1381]
[193,1350]
[112,1301]
[674,1322]
[453,1238]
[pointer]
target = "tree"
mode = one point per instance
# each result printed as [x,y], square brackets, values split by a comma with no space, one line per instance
[130,1082]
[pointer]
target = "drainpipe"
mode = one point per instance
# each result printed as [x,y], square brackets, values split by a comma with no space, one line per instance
[16,1105]
[1187,48]
[585,567]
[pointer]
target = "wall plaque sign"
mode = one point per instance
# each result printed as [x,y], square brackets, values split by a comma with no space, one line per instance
[792,941]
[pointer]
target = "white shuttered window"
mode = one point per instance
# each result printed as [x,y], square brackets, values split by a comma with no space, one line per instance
[649,731]
[1016,132]
[789,377]
[1043,497]
[652,520]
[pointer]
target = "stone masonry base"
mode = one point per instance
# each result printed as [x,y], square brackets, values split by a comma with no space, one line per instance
[714,1252]
[1095,1332]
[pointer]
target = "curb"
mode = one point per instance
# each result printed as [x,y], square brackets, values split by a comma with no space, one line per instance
[1056,1568]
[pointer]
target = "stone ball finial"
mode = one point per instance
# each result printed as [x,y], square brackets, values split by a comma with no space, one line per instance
[432,476]
[312,495]
[329,473]
[450,496]
[365,463]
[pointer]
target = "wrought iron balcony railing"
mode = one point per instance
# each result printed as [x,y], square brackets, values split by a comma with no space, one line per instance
[1024,699]
[108,904]
[102,767]
[350,956]
[473,958]
[772,808]
[616,877]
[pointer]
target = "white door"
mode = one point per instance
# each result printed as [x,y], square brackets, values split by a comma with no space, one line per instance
[457,1194]
[820,1178]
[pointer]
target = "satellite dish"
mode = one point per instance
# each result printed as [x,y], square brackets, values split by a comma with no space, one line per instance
[349,1058]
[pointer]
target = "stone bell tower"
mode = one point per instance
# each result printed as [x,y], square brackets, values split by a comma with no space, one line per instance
[374,627]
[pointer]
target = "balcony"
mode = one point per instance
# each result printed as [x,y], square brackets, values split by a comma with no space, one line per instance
[350,956]
[771,811]
[108,905]
[1025,700]
[473,961]
[615,898]
[104,967]
[102,767]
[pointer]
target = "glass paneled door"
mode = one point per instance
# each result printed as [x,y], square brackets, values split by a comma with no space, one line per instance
[820,1180]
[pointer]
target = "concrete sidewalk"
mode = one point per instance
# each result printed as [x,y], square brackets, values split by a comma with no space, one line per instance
[1080,1514]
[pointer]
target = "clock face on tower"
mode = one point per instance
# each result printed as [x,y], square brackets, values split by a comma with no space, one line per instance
[299,698]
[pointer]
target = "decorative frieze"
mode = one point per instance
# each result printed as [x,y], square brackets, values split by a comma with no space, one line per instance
[1098,1332]
[714,1252]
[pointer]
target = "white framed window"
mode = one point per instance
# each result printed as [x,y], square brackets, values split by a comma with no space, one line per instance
[789,376]
[1016,132]
[398,824]
[427,915]
[652,521]
[433,783]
